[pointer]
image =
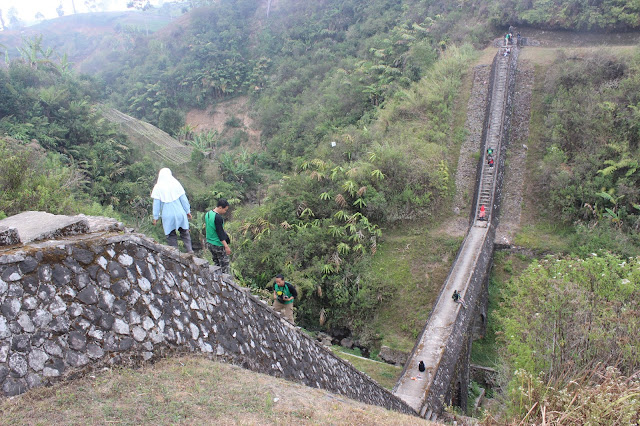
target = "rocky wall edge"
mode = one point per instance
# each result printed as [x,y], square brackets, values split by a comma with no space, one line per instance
[71,305]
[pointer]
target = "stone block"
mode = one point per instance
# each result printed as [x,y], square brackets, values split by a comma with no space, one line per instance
[18,365]
[33,380]
[37,359]
[10,308]
[9,236]
[20,343]
[29,264]
[88,295]
[13,387]
[77,341]
[94,351]
[76,359]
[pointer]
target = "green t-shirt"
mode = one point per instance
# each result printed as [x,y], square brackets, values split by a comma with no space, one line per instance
[285,292]
[212,235]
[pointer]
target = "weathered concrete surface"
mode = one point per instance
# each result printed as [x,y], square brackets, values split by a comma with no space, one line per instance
[32,226]
[414,386]
[444,344]
[36,226]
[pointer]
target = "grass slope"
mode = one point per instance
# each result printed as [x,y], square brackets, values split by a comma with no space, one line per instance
[190,390]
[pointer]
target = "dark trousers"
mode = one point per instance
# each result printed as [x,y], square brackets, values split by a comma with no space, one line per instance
[185,236]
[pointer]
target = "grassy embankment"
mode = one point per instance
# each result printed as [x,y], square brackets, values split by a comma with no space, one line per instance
[189,390]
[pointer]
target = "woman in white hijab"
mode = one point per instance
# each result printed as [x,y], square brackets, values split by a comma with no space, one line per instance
[170,202]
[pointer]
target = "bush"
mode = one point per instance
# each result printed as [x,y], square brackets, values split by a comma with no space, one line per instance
[171,121]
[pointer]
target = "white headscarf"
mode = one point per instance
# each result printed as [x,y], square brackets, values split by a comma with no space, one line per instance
[167,189]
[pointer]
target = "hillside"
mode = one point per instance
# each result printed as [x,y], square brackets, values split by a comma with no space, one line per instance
[338,128]
[83,35]
[149,138]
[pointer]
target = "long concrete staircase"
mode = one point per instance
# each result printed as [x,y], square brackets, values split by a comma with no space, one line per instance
[426,391]
[493,137]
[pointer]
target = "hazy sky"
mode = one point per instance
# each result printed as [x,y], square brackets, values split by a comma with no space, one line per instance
[27,9]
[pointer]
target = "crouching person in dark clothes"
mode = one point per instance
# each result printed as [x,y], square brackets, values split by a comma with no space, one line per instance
[217,239]
[284,294]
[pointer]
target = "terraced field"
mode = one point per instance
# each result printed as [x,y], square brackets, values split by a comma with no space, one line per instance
[149,138]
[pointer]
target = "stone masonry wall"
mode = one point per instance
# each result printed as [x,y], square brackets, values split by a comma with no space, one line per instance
[70,305]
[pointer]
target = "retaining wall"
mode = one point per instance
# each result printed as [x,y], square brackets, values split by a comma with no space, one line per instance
[87,301]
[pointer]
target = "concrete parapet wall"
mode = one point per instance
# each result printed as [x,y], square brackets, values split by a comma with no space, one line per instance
[82,302]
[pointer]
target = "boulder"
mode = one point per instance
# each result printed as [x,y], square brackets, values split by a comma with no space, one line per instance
[392,356]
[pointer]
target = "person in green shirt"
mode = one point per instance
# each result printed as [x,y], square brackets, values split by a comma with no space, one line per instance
[217,239]
[284,293]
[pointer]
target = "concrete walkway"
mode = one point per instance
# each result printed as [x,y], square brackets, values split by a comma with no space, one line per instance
[413,386]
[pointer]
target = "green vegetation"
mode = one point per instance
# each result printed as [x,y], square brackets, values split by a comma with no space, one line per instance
[573,15]
[590,166]
[564,320]
[44,105]
[360,108]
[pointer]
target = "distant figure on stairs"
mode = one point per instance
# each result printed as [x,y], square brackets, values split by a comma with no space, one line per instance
[171,204]
[482,214]
[421,367]
[490,161]
[457,298]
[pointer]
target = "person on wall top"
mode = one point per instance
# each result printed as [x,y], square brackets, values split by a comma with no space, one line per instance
[217,239]
[171,204]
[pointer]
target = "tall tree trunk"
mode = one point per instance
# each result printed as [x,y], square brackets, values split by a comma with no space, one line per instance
[73,4]
[268,7]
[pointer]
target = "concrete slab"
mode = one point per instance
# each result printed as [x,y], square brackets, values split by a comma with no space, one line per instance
[36,226]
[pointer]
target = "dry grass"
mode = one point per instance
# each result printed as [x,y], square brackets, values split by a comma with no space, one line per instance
[190,390]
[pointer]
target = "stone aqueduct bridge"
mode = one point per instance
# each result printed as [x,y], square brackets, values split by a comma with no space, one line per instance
[444,344]
[77,293]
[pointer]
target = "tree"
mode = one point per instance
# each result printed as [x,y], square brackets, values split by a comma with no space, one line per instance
[139,4]
[32,50]
[60,10]
[14,21]
[39,16]
[2,25]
